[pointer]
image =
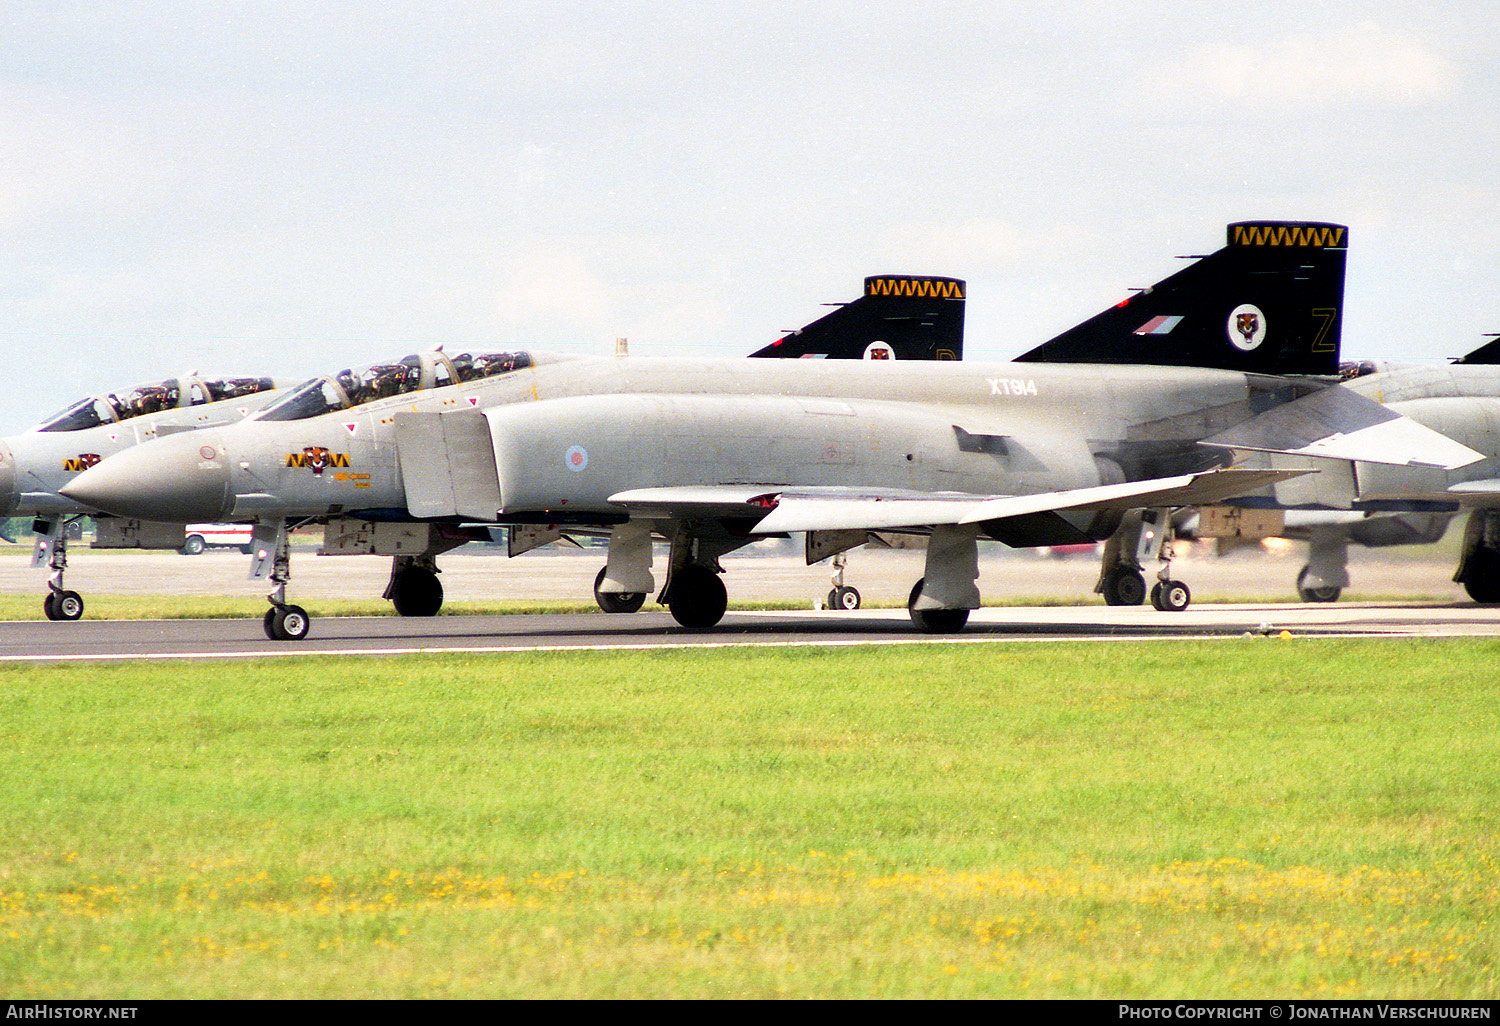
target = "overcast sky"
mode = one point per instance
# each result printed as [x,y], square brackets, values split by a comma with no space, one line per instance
[290,188]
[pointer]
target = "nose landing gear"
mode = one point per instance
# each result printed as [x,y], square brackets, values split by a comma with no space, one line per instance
[51,551]
[272,555]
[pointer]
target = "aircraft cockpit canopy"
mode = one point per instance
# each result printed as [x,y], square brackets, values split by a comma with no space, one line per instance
[359,385]
[155,397]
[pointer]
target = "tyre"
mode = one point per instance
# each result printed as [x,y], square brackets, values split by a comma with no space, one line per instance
[194,545]
[697,598]
[1171,596]
[1124,586]
[916,593]
[1307,593]
[940,621]
[289,623]
[934,621]
[417,592]
[1482,579]
[843,598]
[617,601]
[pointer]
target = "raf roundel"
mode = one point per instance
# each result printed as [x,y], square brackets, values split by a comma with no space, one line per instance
[1246,327]
[576,458]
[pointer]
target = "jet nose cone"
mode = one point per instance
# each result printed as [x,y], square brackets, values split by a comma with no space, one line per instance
[182,479]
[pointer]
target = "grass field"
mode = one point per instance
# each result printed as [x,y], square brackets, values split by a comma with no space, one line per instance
[1235,819]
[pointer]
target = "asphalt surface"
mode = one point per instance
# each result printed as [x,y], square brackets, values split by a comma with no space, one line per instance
[1253,580]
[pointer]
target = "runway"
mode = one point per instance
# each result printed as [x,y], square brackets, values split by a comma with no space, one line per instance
[1232,599]
[90,640]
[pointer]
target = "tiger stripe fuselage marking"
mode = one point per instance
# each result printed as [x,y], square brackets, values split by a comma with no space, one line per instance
[314,459]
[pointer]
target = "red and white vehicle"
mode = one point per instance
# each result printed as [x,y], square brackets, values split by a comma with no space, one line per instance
[216,536]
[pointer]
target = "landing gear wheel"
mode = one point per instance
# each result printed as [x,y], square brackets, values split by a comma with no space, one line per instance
[1482,580]
[1308,593]
[617,601]
[843,598]
[1124,586]
[63,605]
[697,597]
[940,621]
[934,621]
[287,623]
[1170,596]
[416,591]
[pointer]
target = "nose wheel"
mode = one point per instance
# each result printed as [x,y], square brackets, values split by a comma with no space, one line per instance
[63,605]
[272,557]
[51,551]
[287,623]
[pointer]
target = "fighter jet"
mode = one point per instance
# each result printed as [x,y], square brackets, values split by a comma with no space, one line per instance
[897,317]
[36,464]
[1376,505]
[713,454]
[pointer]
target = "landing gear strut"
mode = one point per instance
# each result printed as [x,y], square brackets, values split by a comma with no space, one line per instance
[842,596]
[272,555]
[51,551]
[1143,534]
[939,603]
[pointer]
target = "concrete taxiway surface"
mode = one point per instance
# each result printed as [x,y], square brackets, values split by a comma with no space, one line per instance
[1437,607]
[91,640]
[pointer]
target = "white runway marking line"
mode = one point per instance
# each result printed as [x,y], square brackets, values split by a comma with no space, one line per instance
[663,646]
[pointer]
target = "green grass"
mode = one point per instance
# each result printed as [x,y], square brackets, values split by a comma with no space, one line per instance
[1234,819]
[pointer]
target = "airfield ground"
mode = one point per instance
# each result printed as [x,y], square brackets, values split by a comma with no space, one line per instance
[1246,818]
[767,572]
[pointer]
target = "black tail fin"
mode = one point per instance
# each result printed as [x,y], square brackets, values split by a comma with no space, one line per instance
[1271,301]
[900,317]
[1487,354]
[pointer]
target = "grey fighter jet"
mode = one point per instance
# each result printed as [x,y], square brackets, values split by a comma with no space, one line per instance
[712,454]
[36,464]
[1380,505]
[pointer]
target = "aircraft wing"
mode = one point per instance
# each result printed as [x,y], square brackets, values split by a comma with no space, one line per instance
[1337,423]
[829,509]
[1477,493]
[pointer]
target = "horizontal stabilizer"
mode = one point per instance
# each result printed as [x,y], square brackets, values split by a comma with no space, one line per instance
[1478,492]
[1339,424]
[830,511]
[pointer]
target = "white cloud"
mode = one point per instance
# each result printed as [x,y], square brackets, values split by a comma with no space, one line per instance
[1363,64]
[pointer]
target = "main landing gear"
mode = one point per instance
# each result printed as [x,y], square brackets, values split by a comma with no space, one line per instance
[940,601]
[414,588]
[51,551]
[625,579]
[697,597]
[1479,567]
[1143,534]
